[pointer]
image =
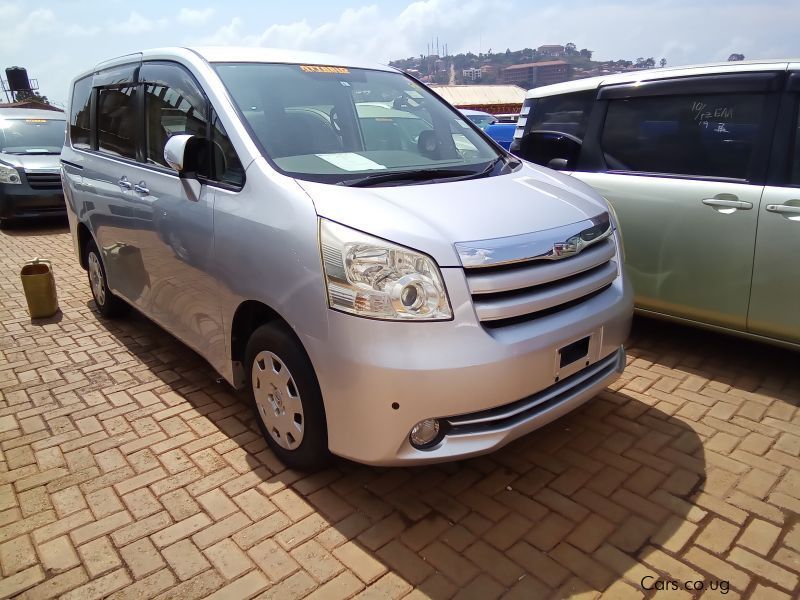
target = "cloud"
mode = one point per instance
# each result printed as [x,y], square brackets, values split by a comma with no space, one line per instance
[370,31]
[191,16]
[137,24]
[21,27]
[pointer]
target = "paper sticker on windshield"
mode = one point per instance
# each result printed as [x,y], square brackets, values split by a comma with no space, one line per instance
[324,69]
[350,161]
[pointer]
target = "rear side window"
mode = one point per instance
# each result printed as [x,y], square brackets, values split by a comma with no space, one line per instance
[711,135]
[79,112]
[116,121]
[174,105]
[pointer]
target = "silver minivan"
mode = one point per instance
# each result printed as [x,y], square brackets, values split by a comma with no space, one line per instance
[386,282]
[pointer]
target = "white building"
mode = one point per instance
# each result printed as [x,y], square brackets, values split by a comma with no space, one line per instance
[472,74]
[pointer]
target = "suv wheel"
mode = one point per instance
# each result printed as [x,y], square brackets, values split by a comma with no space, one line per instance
[286,396]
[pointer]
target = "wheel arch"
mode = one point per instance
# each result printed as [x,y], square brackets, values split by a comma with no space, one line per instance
[84,235]
[249,316]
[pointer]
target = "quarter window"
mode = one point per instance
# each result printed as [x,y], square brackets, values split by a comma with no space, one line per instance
[711,135]
[116,121]
[79,114]
[173,105]
[227,167]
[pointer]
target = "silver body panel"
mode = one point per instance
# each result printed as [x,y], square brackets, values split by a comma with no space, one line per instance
[188,255]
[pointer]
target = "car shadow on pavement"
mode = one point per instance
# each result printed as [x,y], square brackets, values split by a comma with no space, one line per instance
[43,226]
[600,497]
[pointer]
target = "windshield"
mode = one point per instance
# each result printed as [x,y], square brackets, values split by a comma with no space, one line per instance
[31,136]
[330,124]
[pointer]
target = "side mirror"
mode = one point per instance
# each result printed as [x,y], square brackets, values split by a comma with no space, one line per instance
[183,153]
[559,164]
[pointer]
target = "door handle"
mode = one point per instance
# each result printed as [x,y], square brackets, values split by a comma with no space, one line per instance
[740,204]
[142,188]
[784,209]
[124,183]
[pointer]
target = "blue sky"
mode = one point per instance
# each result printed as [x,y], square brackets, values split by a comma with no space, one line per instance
[55,39]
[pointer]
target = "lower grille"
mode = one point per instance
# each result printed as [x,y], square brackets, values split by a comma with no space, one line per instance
[509,415]
[44,181]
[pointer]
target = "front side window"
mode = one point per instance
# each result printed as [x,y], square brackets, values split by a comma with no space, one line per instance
[331,123]
[795,175]
[173,105]
[32,136]
[116,121]
[79,114]
[555,127]
[706,135]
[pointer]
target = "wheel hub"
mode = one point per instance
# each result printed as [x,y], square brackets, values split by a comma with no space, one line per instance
[278,400]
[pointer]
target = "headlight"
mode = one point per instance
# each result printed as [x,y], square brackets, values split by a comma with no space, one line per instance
[615,224]
[9,175]
[370,277]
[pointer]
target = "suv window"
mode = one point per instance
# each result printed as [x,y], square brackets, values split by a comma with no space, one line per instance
[795,176]
[79,113]
[116,120]
[555,128]
[567,113]
[174,105]
[708,135]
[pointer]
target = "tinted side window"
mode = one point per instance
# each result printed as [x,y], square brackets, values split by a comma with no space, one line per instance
[116,121]
[174,105]
[709,135]
[227,167]
[555,128]
[79,112]
[795,178]
[567,113]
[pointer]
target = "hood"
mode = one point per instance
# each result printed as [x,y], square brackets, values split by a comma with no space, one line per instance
[432,218]
[32,162]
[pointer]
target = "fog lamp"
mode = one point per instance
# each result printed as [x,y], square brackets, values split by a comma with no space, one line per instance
[424,433]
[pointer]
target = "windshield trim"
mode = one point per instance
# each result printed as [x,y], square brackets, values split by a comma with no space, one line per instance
[333,179]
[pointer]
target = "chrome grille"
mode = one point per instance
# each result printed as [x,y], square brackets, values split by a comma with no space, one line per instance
[43,181]
[525,277]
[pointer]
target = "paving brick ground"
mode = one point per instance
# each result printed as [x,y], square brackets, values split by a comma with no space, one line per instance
[126,471]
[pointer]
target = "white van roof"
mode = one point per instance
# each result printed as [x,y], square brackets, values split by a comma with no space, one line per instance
[590,83]
[214,54]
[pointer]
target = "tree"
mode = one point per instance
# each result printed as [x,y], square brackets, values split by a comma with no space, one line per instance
[30,96]
[662,63]
[735,57]
[569,48]
[587,54]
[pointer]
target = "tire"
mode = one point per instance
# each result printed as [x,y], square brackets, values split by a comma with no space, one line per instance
[5,223]
[107,303]
[286,398]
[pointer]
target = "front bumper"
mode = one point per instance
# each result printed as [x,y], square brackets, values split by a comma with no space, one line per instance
[379,378]
[20,201]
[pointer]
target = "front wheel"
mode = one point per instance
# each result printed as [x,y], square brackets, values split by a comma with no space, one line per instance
[287,398]
[107,303]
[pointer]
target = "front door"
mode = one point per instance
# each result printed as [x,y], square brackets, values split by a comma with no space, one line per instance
[178,242]
[775,299]
[681,170]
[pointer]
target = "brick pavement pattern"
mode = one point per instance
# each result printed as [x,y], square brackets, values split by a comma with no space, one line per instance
[126,471]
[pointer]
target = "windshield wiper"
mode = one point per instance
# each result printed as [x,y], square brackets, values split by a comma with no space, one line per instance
[421,175]
[432,175]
